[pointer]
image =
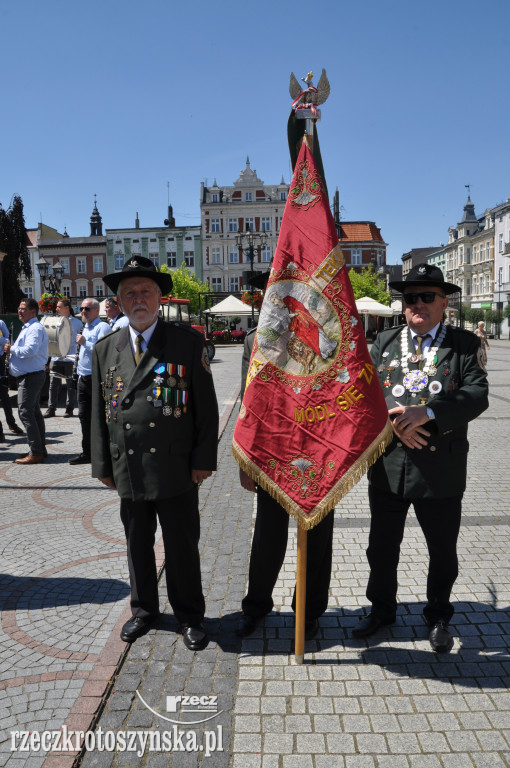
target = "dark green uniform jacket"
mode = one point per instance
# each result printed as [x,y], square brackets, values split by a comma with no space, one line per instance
[439,468]
[149,454]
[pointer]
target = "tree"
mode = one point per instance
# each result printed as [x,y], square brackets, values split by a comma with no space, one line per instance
[368,283]
[13,242]
[186,285]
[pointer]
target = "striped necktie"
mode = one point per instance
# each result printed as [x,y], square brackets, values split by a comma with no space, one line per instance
[419,346]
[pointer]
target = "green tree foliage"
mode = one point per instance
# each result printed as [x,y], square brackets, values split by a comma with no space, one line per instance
[186,285]
[13,242]
[368,283]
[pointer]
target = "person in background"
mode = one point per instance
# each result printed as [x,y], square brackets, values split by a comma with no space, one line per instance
[27,362]
[94,329]
[64,365]
[4,389]
[116,318]
[484,342]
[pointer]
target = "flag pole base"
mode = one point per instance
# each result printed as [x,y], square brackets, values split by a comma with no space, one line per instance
[299,658]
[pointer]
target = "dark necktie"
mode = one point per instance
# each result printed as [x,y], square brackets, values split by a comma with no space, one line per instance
[138,350]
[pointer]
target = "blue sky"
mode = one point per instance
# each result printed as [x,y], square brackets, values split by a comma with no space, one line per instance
[118,98]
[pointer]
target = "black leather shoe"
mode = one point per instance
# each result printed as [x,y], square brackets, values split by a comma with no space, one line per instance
[134,628]
[440,638]
[311,628]
[68,414]
[369,626]
[195,638]
[2,437]
[246,625]
[15,429]
[49,413]
[81,459]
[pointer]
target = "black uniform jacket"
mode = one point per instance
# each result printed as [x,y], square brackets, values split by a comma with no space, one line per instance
[439,468]
[150,455]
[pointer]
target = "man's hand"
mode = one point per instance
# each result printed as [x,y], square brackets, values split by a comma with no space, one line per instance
[80,339]
[247,482]
[108,481]
[199,475]
[7,348]
[407,425]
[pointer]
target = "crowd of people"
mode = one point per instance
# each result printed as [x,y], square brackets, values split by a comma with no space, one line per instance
[146,402]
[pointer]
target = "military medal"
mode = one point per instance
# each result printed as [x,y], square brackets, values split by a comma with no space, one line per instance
[167,409]
[183,384]
[398,390]
[415,381]
[119,385]
[177,412]
[435,387]
[159,368]
[171,381]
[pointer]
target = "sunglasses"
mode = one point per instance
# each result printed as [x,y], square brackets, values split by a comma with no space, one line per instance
[427,297]
[85,309]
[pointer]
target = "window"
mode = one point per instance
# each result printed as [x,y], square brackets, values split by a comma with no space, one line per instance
[154,257]
[171,259]
[234,284]
[66,290]
[283,195]
[216,256]
[248,197]
[475,285]
[468,287]
[215,225]
[65,264]
[82,291]
[119,259]
[216,284]
[249,225]
[232,225]
[500,243]
[265,224]
[482,251]
[488,251]
[214,197]
[189,258]
[487,283]
[99,291]
[475,253]
[233,255]
[81,263]
[28,291]
[266,254]
[356,256]
[98,264]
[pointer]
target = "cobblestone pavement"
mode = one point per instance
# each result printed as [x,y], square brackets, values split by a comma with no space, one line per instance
[388,701]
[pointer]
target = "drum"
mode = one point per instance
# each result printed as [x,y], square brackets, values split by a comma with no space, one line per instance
[59,331]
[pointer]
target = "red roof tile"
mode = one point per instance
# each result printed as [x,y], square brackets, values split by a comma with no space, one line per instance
[360,232]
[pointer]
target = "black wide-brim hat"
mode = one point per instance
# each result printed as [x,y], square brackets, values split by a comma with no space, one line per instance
[139,266]
[425,276]
[260,280]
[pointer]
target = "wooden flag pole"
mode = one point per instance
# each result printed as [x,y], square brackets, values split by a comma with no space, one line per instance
[299,637]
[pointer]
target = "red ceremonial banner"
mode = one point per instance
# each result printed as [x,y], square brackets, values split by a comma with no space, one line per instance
[313,417]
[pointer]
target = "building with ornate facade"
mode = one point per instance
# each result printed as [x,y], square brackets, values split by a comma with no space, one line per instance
[501,298]
[227,211]
[362,245]
[168,244]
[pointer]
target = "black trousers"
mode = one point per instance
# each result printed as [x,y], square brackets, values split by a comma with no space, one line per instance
[5,399]
[85,411]
[179,519]
[439,520]
[268,549]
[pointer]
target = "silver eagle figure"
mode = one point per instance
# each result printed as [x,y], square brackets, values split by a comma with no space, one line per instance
[310,95]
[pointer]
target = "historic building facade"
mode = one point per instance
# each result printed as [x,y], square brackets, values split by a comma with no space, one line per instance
[362,245]
[168,244]
[227,211]
[501,296]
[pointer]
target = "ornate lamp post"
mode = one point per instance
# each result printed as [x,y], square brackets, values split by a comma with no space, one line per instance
[51,283]
[248,241]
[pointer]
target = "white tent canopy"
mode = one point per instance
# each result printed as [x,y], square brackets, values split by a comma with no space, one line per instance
[230,306]
[368,306]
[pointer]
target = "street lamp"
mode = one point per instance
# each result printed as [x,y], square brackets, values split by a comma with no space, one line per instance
[51,283]
[247,241]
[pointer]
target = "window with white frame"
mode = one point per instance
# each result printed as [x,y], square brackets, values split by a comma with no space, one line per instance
[487,283]
[216,284]
[171,259]
[215,226]
[216,256]
[482,251]
[82,291]
[265,224]
[500,243]
[249,224]
[28,291]
[488,250]
[189,258]
[66,290]
[232,225]
[65,264]
[233,255]
[81,266]
[119,259]
[266,254]
[475,253]
[248,197]
[99,291]
[475,285]
[356,256]
[468,287]
[98,264]
[234,284]
[154,257]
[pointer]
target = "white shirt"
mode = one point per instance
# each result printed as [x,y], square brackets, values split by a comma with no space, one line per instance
[133,334]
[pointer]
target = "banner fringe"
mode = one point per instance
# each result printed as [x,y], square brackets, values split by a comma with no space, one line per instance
[346,483]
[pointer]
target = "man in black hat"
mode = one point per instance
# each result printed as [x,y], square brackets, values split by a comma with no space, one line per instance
[434,385]
[155,435]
